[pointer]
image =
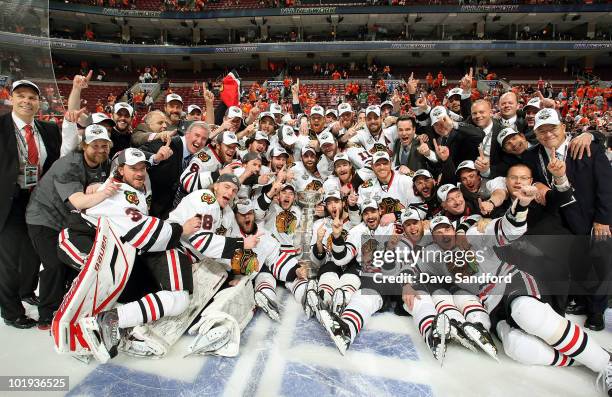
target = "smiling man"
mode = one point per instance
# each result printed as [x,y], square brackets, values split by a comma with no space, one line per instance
[122,131]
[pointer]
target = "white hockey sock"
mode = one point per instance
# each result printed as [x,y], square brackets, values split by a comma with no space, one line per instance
[298,289]
[423,312]
[363,304]
[349,283]
[444,303]
[152,307]
[539,319]
[529,349]
[471,308]
[328,282]
[266,284]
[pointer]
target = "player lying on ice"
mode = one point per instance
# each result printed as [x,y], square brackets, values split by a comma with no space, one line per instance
[169,260]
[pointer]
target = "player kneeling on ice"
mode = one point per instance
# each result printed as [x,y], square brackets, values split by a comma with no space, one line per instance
[353,253]
[110,232]
[196,266]
[274,263]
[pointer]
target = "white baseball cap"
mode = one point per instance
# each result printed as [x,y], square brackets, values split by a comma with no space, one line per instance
[454,91]
[229,138]
[341,156]
[326,137]
[380,155]
[275,108]
[368,203]
[97,118]
[288,135]
[466,164]
[25,83]
[533,102]
[233,112]
[332,194]
[173,97]
[331,111]
[267,114]
[191,108]
[344,108]
[546,116]
[123,105]
[317,110]
[422,172]
[279,151]
[95,132]
[308,148]
[373,109]
[439,220]
[131,156]
[505,133]
[386,103]
[410,214]
[444,190]
[260,136]
[437,114]
[245,206]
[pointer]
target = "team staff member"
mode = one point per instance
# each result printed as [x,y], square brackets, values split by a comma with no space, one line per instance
[28,148]
[121,133]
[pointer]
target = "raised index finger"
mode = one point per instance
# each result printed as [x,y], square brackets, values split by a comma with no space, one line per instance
[168,140]
[435,143]
[88,77]
[471,72]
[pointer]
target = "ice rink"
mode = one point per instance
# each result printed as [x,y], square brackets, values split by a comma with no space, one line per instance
[297,358]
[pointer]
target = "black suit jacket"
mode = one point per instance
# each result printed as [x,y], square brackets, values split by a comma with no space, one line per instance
[164,177]
[590,177]
[462,142]
[9,163]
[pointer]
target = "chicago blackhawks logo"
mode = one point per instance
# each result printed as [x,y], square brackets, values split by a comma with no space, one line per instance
[378,147]
[286,222]
[221,230]
[132,198]
[314,185]
[244,262]
[367,183]
[203,157]
[343,235]
[208,198]
[389,205]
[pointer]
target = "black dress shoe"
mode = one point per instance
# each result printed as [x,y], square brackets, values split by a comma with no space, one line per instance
[595,322]
[575,308]
[22,322]
[31,300]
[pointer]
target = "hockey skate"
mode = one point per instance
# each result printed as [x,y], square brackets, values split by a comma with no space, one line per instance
[458,334]
[339,302]
[481,337]
[139,342]
[438,335]
[337,329]
[210,342]
[604,380]
[102,334]
[311,304]
[269,306]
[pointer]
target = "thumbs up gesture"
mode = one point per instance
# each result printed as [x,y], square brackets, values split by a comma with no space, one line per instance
[441,151]
[482,162]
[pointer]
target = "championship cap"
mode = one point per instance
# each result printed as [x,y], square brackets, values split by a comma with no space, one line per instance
[131,156]
[260,136]
[307,149]
[534,103]
[279,151]
[380,155]
[373,109]
[229,138]
[173,97]
[546,116]
[275,108]
[410,214]
[341,156]
[267,114]
[245,206]
[467,164]
[444,190]
[332,194]
[386,103]
[288,135]
[25,83]
[331,111]
[422,172]
[233,112]
[229,178]
[505,133]
[439,220]
[454,91]
[191,108]
[123,105]
[95,132]
[437,114]
[344,108]
[97,118]
[368,203]
[325,138]
[317,110]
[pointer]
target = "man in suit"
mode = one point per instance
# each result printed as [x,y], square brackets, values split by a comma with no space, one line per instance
[589,215]
[409,152]
[28,148]
[482,117]
[165,175]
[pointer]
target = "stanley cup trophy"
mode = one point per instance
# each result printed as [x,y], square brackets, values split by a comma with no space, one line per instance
[308,200]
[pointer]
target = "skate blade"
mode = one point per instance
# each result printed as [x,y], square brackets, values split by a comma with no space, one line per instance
[442,328]
[327,323]
[338,302]
[89,326]
[216,340]
[312,302]
[475,336]
[263,304]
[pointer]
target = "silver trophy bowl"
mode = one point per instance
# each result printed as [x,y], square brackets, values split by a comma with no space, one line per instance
[302,237]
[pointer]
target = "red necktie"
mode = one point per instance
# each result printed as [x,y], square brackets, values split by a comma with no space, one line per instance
[31,142]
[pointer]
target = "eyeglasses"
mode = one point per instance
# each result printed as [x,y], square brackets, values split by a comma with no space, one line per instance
[521,178]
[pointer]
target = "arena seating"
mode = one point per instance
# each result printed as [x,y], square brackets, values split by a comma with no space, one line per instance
[94,92]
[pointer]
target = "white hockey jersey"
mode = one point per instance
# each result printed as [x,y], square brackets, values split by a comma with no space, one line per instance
[303,179]
[358,157]
[327,239]
[395,196]
[198,174]
[365,139]
[283,223]
[361,243]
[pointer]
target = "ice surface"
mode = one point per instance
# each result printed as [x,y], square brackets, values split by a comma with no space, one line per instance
[296,358]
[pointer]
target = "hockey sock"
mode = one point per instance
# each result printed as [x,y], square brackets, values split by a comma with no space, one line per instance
[444,303]
[349,283]
[152,307]
[328,282]
[471,308]
[359,310]
[298,289]
[529,349]
[539,319]
[423,312]
[266,284]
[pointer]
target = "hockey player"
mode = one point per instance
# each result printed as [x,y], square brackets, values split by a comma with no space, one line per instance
[306,176]
[374,132]
[327,143]
[346,177]
[356,253]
